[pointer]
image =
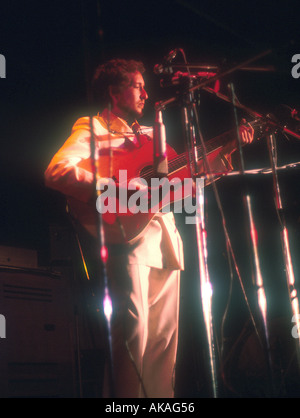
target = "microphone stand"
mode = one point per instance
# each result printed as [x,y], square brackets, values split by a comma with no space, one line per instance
[204,85]
[190,127]
[271,127]
[214,68]
[217,77]
[190,120]
[255,263]
[289,272]
[103,256]
[189,113]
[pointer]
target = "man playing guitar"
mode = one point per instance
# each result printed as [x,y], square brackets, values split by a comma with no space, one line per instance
[146,257]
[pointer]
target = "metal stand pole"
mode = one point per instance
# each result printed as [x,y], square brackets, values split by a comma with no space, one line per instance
[255,264]
[189,116]
[290,278]
[103,256]
[261,294]
[205,286]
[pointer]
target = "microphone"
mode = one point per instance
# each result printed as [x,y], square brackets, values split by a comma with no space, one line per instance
[179,77]
[160,160]
[171,55]
[163,68]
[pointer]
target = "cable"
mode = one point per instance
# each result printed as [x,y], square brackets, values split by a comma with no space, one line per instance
[135,368]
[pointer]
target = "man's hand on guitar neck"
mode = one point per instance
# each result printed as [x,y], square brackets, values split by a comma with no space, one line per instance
[246,136]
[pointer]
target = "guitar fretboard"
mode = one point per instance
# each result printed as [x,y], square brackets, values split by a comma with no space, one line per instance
[181,160]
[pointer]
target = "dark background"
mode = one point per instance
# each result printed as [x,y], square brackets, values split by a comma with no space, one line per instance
[51,49]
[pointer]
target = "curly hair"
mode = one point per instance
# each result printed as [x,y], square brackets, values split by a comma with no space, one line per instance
[114,73]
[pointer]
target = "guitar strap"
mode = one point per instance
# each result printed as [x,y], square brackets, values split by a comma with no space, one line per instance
[141,138]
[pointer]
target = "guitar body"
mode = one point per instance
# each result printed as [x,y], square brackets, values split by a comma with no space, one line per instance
[125,226]
[122,224]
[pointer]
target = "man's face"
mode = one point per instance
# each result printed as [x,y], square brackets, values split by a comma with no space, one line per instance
[129,101]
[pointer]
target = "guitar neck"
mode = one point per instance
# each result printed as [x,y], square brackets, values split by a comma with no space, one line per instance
[180,161]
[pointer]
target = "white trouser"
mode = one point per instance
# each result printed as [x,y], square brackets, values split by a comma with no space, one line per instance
[145,332]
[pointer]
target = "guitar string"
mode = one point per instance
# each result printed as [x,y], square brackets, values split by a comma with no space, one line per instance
[181,160]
